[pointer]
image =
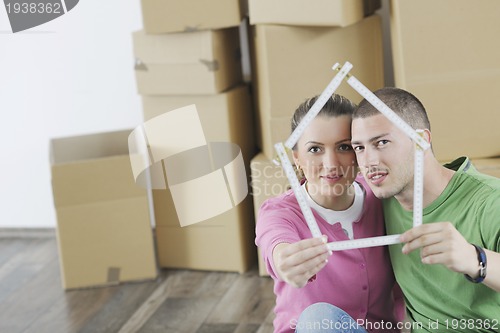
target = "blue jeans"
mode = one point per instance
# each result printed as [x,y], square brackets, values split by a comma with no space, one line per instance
[324,317]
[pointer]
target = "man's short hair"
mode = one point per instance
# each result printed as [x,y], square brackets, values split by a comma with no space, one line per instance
[403,103]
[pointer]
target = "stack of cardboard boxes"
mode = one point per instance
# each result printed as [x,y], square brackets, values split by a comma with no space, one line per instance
[451,64]
[294,45]
[189,53]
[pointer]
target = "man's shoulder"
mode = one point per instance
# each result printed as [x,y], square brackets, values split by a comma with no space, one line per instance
[466,170]
[486,183]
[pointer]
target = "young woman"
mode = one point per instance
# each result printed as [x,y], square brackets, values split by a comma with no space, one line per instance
[347,291]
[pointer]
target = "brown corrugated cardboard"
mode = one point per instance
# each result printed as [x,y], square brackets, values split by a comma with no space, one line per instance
[294,63]
[161,16]
[489,166]
[334,13]
[227,116]
[268,180]
[451,64]
[103,226]
[201,62]
[224,242]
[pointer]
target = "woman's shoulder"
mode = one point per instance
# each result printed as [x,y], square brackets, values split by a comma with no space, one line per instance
[285,200]
[362,182]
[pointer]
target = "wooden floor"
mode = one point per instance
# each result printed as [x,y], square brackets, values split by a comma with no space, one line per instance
[32,299]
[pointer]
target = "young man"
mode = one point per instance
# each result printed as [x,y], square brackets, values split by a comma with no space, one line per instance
[449,267]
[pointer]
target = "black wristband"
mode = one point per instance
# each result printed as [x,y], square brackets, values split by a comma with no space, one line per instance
[481,257]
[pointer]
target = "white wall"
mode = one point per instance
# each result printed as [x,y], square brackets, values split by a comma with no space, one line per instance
[68,77]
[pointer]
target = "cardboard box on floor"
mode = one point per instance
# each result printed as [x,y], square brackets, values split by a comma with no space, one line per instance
[162,16]
[451,64]
[224,242]
[284,78]
[339,13]
[103,225]
[200,62]
[268,180]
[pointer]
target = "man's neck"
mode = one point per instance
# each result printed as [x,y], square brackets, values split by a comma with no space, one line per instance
[436,178]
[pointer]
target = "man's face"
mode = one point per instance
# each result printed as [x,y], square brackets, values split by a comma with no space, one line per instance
[385,156]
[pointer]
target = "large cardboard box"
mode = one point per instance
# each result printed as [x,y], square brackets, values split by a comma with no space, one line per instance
[451,64]
[294,63]
[200,62]
[268,180]
[224,242]
[162,16]
[228,116]
[338,13]
[103,225]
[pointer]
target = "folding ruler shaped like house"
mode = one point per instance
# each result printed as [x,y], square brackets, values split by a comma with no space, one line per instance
[421,146]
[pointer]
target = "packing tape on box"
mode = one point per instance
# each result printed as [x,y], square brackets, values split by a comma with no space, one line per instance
[205,178]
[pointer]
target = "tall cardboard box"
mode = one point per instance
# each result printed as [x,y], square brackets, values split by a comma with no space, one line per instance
[294,63]
[166,16]
[224,242]
[199,62]
[103,225]
[268,180]
[450,63]
[226,116]
[331,13]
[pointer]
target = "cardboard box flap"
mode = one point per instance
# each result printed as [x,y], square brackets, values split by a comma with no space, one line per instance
[92,168]
[91,146]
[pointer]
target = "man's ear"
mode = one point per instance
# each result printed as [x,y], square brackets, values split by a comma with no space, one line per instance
[427,135]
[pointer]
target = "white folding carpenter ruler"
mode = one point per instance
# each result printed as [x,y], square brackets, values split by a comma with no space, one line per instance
[420,146]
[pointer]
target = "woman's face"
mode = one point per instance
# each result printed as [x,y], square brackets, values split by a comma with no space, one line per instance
[326,157]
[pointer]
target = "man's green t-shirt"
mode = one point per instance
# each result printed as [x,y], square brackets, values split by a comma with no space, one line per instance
[437,299]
